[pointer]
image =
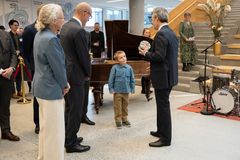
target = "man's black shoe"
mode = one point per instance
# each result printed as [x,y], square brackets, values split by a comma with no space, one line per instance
[149,98]
[79,139]
[10,136]
[159,143]
[37,129]
[77,148]
[87,121]
[155,134]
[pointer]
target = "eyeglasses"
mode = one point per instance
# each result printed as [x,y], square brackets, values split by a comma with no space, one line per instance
[90,15]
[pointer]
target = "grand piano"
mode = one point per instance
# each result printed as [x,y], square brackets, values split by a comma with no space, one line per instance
[118,38]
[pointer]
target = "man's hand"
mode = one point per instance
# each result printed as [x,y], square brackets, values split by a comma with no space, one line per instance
[96,44]
[142,51]
[7,72]
[17,52]
[66,89]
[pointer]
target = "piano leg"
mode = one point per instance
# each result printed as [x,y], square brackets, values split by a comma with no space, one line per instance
[101,96]
[147,88]
[98,97]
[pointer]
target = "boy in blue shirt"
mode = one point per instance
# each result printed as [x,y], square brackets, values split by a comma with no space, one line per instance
[121,82]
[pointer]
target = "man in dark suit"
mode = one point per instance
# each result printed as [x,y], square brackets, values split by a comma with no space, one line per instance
[163,72]
[8,63]
[28,38]
[13,24]
[97,41]
[74,40]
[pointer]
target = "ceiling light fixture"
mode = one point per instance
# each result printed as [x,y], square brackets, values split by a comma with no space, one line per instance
[113,1]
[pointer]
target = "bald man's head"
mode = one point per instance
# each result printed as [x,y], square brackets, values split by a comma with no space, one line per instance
[83,12]
[83,7]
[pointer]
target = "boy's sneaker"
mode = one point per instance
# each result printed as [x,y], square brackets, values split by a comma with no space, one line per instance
[126,123]
[118,125]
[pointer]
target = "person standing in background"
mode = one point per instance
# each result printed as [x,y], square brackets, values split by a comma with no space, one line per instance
[8,63]
[74,40]
[97,41]
[13,24]
[188,47]
[19,33]
[145,80]
[121,82]
[28,38]
[146,33]
[50,82]
[163,73]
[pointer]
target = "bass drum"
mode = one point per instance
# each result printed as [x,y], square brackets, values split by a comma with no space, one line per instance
[224,99]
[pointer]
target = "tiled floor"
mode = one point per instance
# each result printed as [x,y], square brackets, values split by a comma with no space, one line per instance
[195,136]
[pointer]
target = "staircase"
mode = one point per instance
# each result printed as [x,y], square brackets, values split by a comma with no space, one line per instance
[204,37]
[233,39]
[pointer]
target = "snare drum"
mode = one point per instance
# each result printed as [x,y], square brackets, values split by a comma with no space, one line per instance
[224,99]
[220,80]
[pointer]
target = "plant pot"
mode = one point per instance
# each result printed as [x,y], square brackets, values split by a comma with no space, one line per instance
[217,48]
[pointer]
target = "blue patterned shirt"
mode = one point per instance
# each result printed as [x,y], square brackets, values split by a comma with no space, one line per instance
[121,79]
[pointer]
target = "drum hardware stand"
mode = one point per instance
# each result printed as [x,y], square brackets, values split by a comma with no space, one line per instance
[206,111]
[203,99]
[205,72]
[23,99]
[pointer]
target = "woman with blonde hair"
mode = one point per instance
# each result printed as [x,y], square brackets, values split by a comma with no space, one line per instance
[50,82]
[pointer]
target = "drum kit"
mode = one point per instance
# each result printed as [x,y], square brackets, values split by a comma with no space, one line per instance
[225,94]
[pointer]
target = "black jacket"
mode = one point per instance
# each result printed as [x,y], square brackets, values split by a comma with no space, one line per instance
[75,42]
[163,59]
[8,57]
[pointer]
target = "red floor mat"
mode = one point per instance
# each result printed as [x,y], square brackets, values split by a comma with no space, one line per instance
[197,106]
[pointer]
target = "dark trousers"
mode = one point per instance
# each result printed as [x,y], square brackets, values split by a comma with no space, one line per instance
[146,84]
[35,111]
[164,124]
[29,86]
[35,106]
[85,104]
[74,104]
[6,89]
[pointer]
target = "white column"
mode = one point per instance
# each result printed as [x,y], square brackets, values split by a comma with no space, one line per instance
[136,16]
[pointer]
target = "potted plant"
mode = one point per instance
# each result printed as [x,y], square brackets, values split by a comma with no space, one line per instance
[216,11]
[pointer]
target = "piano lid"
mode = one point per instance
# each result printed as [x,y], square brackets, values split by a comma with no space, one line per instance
[118,38]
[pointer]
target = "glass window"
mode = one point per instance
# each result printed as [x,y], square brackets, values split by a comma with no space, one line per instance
[114,14]
[125,14]
[97,16]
